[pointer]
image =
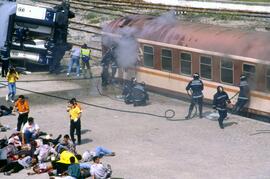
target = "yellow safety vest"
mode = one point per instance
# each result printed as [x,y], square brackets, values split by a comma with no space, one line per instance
[85,52]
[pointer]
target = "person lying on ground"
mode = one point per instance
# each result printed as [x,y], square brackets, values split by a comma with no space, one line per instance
[62,165]
[99,170]
[67,144]
[48,139]
[98,151]
[6,154]
[44,151]
[4,110]
[28,150]
[15,139]
[17,166]
[41,168]
[73,171]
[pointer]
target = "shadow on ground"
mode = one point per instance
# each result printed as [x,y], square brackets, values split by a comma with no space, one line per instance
[84,131]
[85,141]
[228,124]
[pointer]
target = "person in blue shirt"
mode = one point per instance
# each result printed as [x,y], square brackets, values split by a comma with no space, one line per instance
[196,88]
[221,99]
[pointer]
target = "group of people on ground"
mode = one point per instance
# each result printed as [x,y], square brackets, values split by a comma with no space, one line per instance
[220,100]
[80,57]
[31,147]
[57,157]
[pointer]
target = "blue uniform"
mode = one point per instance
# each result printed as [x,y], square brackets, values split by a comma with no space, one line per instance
[220,103]
[108,58]
[243,97]
[196,86]
[50,46]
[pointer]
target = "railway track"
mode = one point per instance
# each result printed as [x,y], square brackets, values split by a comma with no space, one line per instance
[128,4]
[83,8]
[115,5]
[81,28]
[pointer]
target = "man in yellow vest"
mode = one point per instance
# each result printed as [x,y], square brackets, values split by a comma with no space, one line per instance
[85,56]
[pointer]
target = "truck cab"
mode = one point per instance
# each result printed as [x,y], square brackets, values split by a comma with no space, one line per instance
[36,33]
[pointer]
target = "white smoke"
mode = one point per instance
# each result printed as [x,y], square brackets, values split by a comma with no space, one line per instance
[168,18]
[6,9]
[127,51]
[127,45]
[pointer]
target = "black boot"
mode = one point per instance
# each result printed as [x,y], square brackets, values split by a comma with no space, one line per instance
[188,116]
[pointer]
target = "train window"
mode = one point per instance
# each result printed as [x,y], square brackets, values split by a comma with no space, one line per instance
[268,79]
[148,56]
[185,61]
[206,67]
[166,56]
[226,75]
[249,70]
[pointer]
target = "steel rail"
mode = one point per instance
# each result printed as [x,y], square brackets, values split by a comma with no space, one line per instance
[83,24]
[160,7]
[84,9]
[84,30]
[164,5]
[178,8]
[82,3]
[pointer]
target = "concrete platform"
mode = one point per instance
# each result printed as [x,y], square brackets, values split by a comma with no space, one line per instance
[149,147]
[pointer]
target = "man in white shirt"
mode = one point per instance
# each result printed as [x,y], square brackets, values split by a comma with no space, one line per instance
[75,58]
[99,170]
[44,151]
[30,131]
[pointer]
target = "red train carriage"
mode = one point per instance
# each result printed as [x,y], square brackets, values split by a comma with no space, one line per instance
[173,51]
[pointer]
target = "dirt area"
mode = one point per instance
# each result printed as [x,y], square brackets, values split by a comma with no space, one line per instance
[149,147]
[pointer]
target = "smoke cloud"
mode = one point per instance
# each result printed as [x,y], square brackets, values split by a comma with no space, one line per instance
[126,44]
[6,9]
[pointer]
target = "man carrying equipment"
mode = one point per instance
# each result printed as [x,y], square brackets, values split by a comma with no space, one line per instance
[220,103]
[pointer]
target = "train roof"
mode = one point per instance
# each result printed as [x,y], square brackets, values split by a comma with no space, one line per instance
[213,38]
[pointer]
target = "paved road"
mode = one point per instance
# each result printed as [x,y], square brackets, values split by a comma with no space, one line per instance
[149,147]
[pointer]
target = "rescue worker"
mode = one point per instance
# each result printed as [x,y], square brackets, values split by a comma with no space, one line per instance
[105,68]
[86,57]
[75,122]
[108,58]
[5,60]
[139,94]
[244,94]
[22,106]
[220,103]
[105,75]
[50,46]
[196,88]
[127,90]
[114,67]
[21,35]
